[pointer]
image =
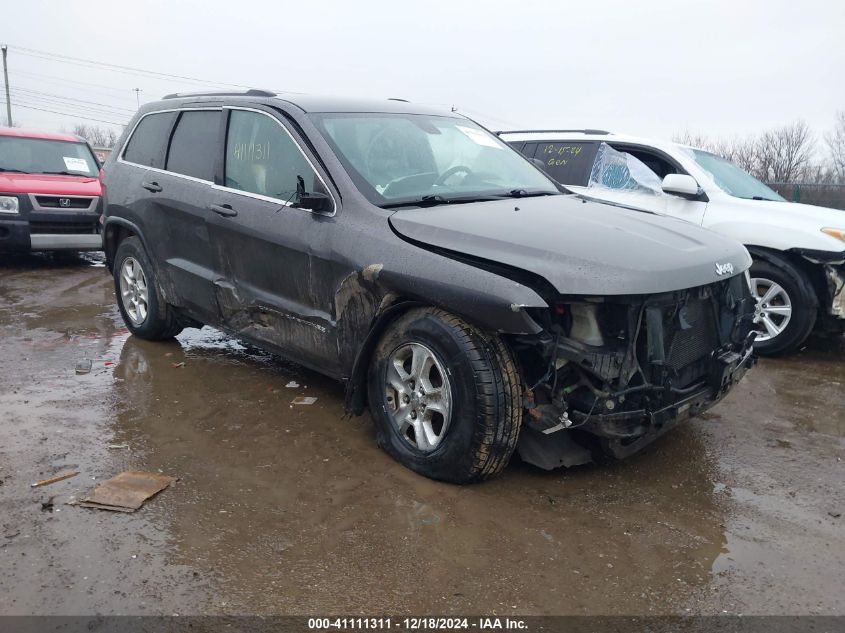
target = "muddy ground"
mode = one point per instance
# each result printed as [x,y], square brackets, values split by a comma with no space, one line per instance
[284,509]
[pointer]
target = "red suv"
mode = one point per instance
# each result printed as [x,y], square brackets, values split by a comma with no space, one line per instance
[50,192]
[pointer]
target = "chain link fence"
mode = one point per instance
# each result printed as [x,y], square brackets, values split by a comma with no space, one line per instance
[832,196]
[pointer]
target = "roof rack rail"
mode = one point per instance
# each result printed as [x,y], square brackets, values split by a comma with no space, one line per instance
[252,92]
[584,131]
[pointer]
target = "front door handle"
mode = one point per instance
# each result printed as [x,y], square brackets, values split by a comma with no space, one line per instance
[223,209]
[152,186]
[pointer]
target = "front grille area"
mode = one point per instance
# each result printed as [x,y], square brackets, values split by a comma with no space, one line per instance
[62,202]
[691,334]
[86,226]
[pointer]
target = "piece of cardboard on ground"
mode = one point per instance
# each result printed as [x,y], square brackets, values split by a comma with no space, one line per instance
[127,491]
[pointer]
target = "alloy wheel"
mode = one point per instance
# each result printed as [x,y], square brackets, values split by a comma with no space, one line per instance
[774,308]
[134,293]
[418,396]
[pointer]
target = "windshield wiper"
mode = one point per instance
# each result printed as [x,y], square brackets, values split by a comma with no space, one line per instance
[64,173]
[757,198]
[15,171]
[433,200]
[523,193]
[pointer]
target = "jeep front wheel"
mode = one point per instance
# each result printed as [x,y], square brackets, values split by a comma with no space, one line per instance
[446,397]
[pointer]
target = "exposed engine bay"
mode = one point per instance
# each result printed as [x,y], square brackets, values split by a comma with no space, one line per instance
[617,372]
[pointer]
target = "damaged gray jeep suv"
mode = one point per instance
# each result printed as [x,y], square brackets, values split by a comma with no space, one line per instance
[475,306]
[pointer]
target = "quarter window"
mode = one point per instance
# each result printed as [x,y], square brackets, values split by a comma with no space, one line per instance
[262,158]
[568,163]
[193,147]
[149,140]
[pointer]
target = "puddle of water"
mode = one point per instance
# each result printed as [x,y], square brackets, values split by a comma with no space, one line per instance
[286,509]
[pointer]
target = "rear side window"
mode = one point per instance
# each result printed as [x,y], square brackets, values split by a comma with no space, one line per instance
[149,140]
[193,147]
[262,158]
[568,163]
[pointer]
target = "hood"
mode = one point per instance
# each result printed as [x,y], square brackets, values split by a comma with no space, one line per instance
[580,247]
[778,225]
[49,184]
[805,211]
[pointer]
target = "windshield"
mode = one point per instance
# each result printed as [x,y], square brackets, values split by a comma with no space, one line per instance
[731,179]
[40,156]
[406,158]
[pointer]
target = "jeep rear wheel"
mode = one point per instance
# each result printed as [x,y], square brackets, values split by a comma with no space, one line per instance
[445,396]
[141,305]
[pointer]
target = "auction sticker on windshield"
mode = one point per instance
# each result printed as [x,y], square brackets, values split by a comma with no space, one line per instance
[479,137]
[76,164]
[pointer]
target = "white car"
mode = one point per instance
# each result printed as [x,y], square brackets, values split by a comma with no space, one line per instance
[798,273]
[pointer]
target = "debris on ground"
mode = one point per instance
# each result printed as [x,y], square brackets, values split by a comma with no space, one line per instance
[84,366]
[835,514]
[52,480]
[304,400]
[118,446]
[11,533]
[127,491]
[47,506]
[292,384]
[176,365]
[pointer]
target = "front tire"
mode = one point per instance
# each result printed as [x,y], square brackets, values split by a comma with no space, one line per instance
[445,396]
[786,306]
[145,312]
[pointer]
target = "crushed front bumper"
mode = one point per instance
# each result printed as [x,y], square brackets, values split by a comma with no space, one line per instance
[835,276]
[626,432]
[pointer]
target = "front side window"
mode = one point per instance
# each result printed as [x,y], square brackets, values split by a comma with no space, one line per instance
[262,158]
[149,140]
[619,170]
[731,179]
[41,156]
[403,158]
[193,147]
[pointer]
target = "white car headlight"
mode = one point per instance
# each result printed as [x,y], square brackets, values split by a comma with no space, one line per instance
[839,234]
[8,204]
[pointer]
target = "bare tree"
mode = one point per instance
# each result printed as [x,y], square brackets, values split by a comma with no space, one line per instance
[743,152]
[785,153]
[694,140]
[836,144]
[740,151]
[96,135]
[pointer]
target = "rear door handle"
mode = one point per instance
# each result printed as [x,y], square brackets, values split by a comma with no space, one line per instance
[223,209]
[152,186]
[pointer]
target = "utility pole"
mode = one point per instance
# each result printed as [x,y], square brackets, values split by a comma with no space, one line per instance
[6,82]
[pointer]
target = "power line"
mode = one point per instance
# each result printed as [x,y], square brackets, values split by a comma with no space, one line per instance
[65,98]
[60,103]
[70,110]
[119,68]
[53,79]
[78,116]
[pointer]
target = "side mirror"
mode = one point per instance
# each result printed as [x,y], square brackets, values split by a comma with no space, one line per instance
[539,164]
[682,185]
[318,202]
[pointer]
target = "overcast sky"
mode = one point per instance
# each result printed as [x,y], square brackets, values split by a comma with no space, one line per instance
[648,68]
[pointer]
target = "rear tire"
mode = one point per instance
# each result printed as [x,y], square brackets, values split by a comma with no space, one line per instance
[145,312]
[473,437]
[781,284]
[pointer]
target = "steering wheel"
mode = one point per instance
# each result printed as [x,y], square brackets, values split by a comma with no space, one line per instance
[457,169]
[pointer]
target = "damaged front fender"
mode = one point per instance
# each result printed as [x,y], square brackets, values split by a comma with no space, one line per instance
[368,300]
